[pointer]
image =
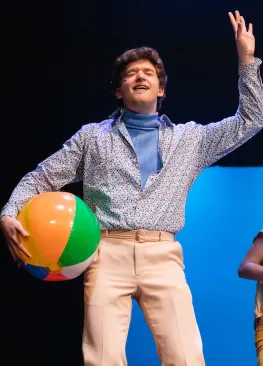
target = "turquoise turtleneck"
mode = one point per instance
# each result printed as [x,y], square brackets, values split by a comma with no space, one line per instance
[144,133]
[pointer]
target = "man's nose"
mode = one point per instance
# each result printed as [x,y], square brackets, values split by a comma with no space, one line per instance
[140,76]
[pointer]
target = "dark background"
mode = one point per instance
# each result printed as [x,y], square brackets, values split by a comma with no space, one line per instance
[61,57]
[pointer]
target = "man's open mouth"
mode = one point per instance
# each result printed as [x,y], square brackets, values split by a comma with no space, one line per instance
[140,87]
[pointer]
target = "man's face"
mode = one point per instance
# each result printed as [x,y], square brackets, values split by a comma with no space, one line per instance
[139,87]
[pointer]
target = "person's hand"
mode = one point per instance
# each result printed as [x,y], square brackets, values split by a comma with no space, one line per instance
[244,37]
[11,229]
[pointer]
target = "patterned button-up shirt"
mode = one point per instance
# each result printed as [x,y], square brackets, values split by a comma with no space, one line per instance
[102,156]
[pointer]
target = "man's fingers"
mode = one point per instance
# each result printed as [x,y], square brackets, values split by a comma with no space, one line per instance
[18,256]
[250,28]
[237,14]
[15,252]
[20,228]
[11,250]
[243,23]
[23,250]
[19,245]
[239,29]
[15,238]
[233,21]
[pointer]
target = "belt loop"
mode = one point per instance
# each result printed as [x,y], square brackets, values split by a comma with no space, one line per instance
[160,235]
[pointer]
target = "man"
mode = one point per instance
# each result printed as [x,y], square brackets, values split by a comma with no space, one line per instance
[251,268]
[137,169]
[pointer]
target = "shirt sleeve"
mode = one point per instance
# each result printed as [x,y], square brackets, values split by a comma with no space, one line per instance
[63,167]
[220,138]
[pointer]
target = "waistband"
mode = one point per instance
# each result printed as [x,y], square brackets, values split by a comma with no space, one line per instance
[139,235]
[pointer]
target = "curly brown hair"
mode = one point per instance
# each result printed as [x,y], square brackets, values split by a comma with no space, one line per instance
[135,54]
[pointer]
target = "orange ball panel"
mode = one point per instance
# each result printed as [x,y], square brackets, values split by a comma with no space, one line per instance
[49,215]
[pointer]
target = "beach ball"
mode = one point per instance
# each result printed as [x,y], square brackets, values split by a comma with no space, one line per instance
[64,236]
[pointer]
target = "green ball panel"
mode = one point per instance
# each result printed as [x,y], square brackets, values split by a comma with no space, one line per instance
[84,237]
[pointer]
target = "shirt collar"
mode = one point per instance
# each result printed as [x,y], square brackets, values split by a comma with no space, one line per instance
[117,115]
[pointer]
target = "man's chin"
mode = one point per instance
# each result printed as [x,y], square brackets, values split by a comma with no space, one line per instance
[140,99]
[140,105]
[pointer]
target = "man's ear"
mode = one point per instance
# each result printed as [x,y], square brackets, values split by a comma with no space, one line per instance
[161,92]
[118,94]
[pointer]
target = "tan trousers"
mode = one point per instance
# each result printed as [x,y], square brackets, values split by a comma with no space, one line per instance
[147,266]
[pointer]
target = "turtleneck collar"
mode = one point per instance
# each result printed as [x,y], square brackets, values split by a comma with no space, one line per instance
[140,121]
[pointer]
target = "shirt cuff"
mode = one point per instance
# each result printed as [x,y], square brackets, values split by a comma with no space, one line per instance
[9,210]
[253,67]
